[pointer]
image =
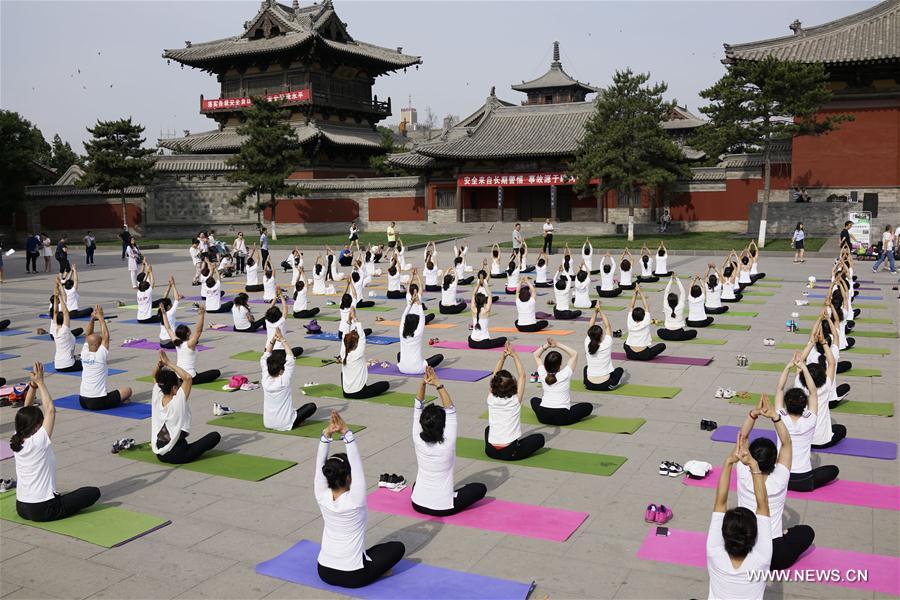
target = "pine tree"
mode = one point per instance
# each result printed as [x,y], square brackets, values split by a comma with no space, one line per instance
[379,162]
[116,159]
[625,147]
[62,156]
[268,155]
[21,146]
[758,103]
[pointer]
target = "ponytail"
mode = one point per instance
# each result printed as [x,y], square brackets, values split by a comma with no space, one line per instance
[550,379]
[28,419]
[595,335]
[672,300]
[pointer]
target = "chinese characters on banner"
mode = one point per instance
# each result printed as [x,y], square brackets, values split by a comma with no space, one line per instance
[294,96]
[515,179]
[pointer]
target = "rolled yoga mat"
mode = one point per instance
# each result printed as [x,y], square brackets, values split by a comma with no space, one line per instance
[489,514]
[303,361]
[668,360]
[408,579]
[850,407]
[447,373]
[254,422]
[569,461]
[154,345]
[839,491]
[590,423]
[215,462]
[854,350]
[778,367]
[101,525]
[129,410]
[213,386]
[49,369]
[631,389]
[331,390]
[859,333]
[847,446]
[377,340]
[688,548]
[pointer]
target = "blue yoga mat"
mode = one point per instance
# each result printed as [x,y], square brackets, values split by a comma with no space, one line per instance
[129,410]
[12,332]
[378,340]
[47,316]
[48,338]
[408,580]
[49,369]
[4,356]
[857,298]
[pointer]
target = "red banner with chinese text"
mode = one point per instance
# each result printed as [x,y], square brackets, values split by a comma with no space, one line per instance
[220,103]
[514,179]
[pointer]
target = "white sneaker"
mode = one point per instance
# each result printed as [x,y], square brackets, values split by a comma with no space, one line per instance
[720,392]
[221,411]
[728,394]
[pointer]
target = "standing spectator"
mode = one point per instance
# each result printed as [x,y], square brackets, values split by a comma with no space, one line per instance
[664,221]
[46,244]
[134,260]
[548,238]
[264,246]
[847,238]
[797,242]
[239,251]
[33,246]
[354,232]
[125,236]
[62,254]
[517,236]
[90,245]
[887,250]
[392,235]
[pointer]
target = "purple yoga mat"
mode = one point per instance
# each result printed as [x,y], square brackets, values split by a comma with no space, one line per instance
[154,345]
[669,360]
[202,299]
[862,287]
[5,451]
[847,447]
[444,373]
[546,315]
[818,296]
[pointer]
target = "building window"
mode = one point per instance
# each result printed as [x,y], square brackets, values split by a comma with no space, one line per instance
[269,84]
[445,198]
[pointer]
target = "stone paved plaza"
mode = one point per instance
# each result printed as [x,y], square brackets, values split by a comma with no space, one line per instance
[222,527]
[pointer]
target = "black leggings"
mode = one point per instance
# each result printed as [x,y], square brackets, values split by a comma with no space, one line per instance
[466,281]
[432,288]
[169,345]
[4,324]
[153,319]
[182,452]
[543,284]
[537,326]
[788,548]
[566,315]
[716,311]
[561,416]
[737,298]
[310,312]
[253,288]
[59,506]
[382,558]
[452,310]
[704,323]
[757,277]
[517,450]
[432,361]
[610,384]
[841,391]
[842,366]
[807,482]
[303,413]
[240,263]
[110,400]
[369,391]
[650,279]
[396,294]
[463,498]
[224,308]
[838,432]
[295,350]
[850,343]
[645,354]
[429,318]
[608,293]
[255,325]
[675,335]
[206,376]
[80,313]
[76,366]
[362,304]
[487,344]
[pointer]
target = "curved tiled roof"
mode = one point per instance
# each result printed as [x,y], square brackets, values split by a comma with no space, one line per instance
[870,35]
[229,139]
[193,163]
[412,160]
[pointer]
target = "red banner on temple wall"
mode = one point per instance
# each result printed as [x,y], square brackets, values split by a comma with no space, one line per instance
[515,179]
[219,103]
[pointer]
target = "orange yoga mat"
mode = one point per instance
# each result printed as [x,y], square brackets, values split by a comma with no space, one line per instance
[541,332]
[429,326]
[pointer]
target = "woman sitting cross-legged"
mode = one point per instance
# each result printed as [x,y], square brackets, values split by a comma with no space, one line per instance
[562,293]
[582,286]
[242,317]
[186,347]
[36,495]
[526,321]
[395,291]
[626,279]
[275,321]
[599,375]
[646,264]
[450,304]
[278,401]
[608,287]
[673,305]
[696,305]
[556,407]
[412,331]
[480,338]
[301,307]
[503,436]
[638,343]
[354,367]
[714,291]
[434,439]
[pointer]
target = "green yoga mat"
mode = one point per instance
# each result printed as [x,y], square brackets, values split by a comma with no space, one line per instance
[853,350]
[591,423]
[629,389]
[729,326]
[878,409]
[103,525]
[215,462]
[734,313]
[611,308]
[696,340]
[749,301]
[872,305]
[303,361]
[377,308]
[747,292]
[766,285]
[858,333]
[215,386]
[774,278]
[859,320]
[254,422]
[549,458]
[778,367]
[331,390]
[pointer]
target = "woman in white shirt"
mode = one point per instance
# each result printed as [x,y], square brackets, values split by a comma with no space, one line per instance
[459,268]
[662,259]
[744,279]
[540,272]
[646,265]
[639,344]
[36,494]
[277,370]
[626,278]
[526,319]
[608,287]
[340,489]
[480,337]
[412,330]
[93,393]
[587,256]
[503,436]
[599,374]
[697,305]
[827,433]
[301,307]
[713,304]
[432,276]
[131,253]
[357,284]
[212,285]
[798,242]
[64,358]
[753,252]
[170,307]
[562,292]
[253,284]
[354,367]
[144,295]
[673,307]
[568,265]
[70,288]
[239,250]
[513,275]
[582,287]
[269,283]
[556,407]
[450,304]
[186,348]
[523,259]
[275,321]
[318,278]
[170,417]
[496,269]
[242,316]
[729,285]
[434,440]
[395,291]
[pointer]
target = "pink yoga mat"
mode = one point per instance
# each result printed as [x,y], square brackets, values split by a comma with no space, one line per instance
[669,360]
[5,451]
[851,493]
[689,548]
[451,345]
[490,514]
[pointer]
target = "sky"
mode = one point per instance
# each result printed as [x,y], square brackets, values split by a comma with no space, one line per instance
[65,64]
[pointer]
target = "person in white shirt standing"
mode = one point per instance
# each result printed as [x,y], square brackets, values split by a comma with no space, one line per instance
[239,251]
[36,494]
[278,401]
[556,407]
[887,250]
[133,255]
[548,238]
[93,394]
[90,246]
[434,440]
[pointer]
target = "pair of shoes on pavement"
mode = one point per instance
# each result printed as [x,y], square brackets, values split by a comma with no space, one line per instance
[123,444]
[669,468]
[725,393]
[392,481]
[7,484]
[660,514]
[769,341]
[221,411]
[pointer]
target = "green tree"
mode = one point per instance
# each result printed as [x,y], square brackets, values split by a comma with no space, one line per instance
[379,162]
[624,146]
[269,153]
[21,146]
[62,156]
[116,159]
[757,103]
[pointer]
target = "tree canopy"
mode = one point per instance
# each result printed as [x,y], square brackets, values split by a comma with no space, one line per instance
[116,158]
[62,156]
[379,161]
[21,146]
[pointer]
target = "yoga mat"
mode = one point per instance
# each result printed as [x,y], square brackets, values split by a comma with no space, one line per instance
[448,373]
[254,422]
[541,332]
[549,317]
[129,410]
[331,390]
[735,313]
[862,287]
[767,285]
[860,297]
[5,451]
[4,356]
[377,340]
[154,345]
[858,333]
[728,326]
[429,326]
[669,360]
[871,320]
[696,340]
[489,514]
[303,361]
[46,337]
[569,461]
[778,367]
[177,323]
[749,292]
[214,386]
[851,407]
[6,332]
[377,308]
[591,423]
[839,491]
[224,299]
[215,462]
[749,301]
[408,579]
[846,447]
[49,369]
[689,548]
[454,345]
[630,389]
[870,305]
[853,350]
[319,317]
[87,318]
[102,525]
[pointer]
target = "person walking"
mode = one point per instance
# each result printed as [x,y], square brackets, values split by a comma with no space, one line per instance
[548,238]
[62,254]
[263,246]
[33,247]
[797,242]
[125,236]
[847,238]
[887,250]
[90,245]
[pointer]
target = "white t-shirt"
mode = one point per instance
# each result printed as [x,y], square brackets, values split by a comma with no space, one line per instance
[72,298]
[163,334]
[65,348]
[556,395]
[241,317]
[319,282]
[726,582]
[607,283]
[728,290]
[696,310]
[355,373]
[301,301]
[599,364]
[187,358]
[175,416]
[639,332]
[504,420]
[512,279]
[624,277]
[714,296]
[540,273]
[93,374]
[802,432]
[434,478]
[269,287]
[270,332]
[661,264]
[278,401]
[482,332]
[776,489]
[562,296]
[145,303]
[583,293]
[525,311]
[411,360]
[213,296]
[431,276]
[887,240]
[394,281]
[676,322]
[548,227]
[825,394]
[448,295]
[131,255]
[646,269]
[344,529]
[36,469]
[253,274]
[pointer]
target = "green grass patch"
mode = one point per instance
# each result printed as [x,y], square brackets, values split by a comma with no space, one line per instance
[335,240]
[713,240]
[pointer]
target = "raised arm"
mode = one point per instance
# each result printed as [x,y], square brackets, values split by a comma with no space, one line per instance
[520,372]
[165,322]
[785,455]
[49,409]
[721,502]
[104,328]
[186,379]
[198,330]
[812,401]
[571,353]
